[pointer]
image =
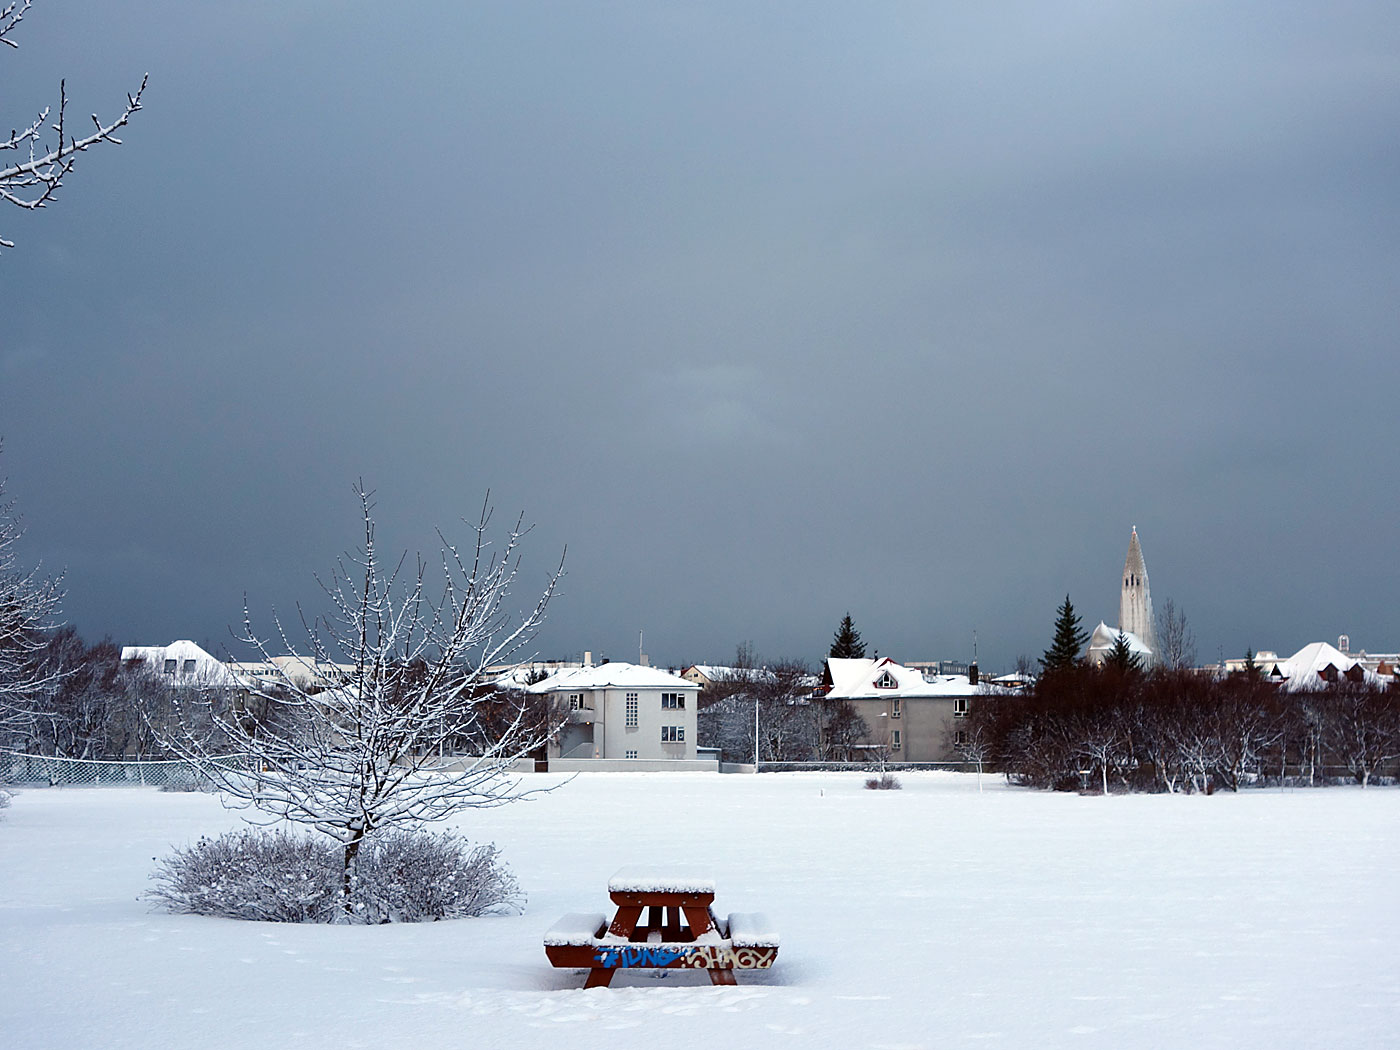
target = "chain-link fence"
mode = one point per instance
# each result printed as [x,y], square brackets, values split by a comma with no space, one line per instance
[16,768]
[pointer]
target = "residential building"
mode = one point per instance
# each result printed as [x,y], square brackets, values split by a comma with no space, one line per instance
[910,716]
[304,673]
[626,715]
[1314,667]
[181,663]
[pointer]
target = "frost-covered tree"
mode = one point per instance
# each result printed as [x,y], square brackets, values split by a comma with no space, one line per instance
[46,152]
[787,723]
[1361,727]
[972,741]
[28,611]
[364,755]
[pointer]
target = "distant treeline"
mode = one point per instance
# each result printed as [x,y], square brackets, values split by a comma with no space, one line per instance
[1109,728]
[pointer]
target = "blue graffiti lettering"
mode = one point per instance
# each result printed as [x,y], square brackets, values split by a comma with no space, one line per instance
[637,955]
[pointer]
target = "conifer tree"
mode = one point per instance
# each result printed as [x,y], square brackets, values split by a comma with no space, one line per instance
[1121,656]
[847,644]
[1069,641]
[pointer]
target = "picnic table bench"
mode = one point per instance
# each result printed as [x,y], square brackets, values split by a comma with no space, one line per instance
[664,920]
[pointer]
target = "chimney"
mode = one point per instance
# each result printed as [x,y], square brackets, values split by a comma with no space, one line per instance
[972,673]
[646,660]
[588,658]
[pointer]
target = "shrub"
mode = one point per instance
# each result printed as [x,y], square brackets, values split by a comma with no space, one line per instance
[884,782]
[270,876]
[4,798]
[414,876]
[279,876]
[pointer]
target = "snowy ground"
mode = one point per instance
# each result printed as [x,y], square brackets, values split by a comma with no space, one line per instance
[935,916]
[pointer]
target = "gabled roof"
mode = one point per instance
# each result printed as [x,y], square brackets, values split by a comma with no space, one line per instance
[721,673]
[614,675]
[855,679]
[1317,664]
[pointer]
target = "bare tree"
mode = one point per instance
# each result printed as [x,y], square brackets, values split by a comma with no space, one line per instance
[1361,727]
[774,697]
[32,183]
[28,610]
[1176,641]
[973,741]
[363,756]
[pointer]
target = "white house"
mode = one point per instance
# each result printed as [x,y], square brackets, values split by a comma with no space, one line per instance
[182,663]
[625,715]
[1318,666]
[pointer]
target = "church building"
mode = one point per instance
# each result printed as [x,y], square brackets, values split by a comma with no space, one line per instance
[1135,619]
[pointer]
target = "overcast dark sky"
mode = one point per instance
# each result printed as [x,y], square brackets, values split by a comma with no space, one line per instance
[769,311]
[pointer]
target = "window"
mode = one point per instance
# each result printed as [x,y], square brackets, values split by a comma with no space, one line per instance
[895,740]
[630,754]
[673,734]
[960,738]
[170,666]
[886,681]
[189,667]
[895,712]
[575,701]
[960,707]
[673,701]
[631,710]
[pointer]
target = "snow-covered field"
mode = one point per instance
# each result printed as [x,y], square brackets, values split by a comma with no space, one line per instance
[936,916]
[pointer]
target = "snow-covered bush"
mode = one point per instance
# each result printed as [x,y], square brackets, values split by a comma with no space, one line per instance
[417,876]
[272,876]
[884,782]
[282,876]
[4,798]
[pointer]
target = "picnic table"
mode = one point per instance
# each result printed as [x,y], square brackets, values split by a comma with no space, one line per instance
[665,919]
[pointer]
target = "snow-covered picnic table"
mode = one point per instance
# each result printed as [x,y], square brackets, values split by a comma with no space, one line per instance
[663,940]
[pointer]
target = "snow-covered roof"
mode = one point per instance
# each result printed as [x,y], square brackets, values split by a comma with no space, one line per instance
[1317,665]
[714,672]
[614,675]
[207,670]
[866,679]
[1103,639]
[721,673]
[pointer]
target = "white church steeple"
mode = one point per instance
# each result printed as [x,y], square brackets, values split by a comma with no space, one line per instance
[1135,604]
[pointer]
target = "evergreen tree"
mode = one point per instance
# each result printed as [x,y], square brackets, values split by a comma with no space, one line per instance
[1069,642]
[1121,656]
[847,643]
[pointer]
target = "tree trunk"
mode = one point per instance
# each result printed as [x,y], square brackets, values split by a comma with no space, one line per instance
[352,852]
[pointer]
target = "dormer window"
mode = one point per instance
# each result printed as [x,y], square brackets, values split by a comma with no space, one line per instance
[886,681]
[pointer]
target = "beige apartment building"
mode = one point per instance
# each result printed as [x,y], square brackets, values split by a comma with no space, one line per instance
[912,716]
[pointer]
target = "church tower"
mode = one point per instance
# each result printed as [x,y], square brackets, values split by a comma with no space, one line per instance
[1135,604]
